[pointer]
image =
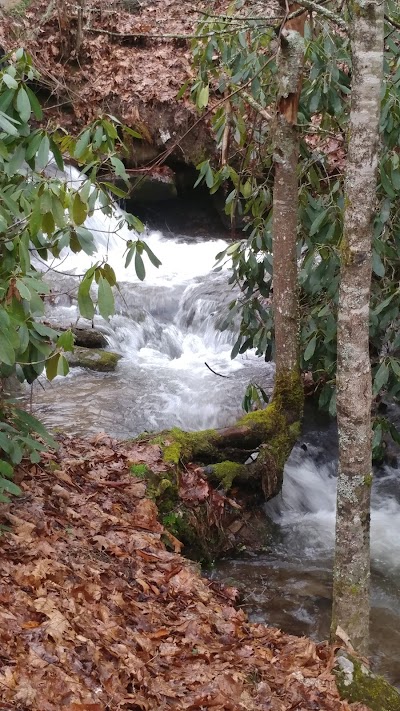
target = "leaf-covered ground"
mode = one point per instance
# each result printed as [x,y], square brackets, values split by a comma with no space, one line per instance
[124,55]
[97,615]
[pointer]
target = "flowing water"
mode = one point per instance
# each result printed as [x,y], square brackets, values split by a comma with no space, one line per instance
[289,586]
[166,329]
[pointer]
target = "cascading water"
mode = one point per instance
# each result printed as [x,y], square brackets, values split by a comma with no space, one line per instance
[166,329]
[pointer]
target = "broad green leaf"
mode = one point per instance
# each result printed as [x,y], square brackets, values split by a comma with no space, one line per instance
[42,157]
[383,304]
[182,90]
[310,350]
[114,189]
[109,274]
[79,210]
[202,99]
[110,129]
[6,469]
[7,353]
[236,348]
[139,266]
[85,303]
[44,330]
[82,144]
[10,81]
[36,108]
[24,255]
[52,366]
[119,168]
[86,240]
[381,378]
[10,487]
[66,341]
[154,260]
[57,155]
[34,425]
[23,290]
[105,299]
[377,264]
[317,223]
[131,132]
[247,189]
[23,105]
[7,126]
[63,366]
[130,253]
[48,224]
[395,364]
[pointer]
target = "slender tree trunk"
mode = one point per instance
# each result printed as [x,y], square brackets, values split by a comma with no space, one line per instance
[285,205]
[352,555]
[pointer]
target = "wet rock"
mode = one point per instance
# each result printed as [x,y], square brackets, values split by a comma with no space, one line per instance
[93,359]
[154,187]
[89,337]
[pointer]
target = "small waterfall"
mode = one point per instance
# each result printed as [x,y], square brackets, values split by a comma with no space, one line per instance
[166,328]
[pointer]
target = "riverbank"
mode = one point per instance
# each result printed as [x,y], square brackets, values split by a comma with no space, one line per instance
[100,611]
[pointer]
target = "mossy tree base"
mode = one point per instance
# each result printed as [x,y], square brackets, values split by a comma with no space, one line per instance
[356,683]
[246,459]
[251,453]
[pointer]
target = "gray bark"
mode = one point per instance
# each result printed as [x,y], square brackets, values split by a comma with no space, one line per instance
[285,199]
[352,554]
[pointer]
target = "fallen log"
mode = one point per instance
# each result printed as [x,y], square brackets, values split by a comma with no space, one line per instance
[242,465]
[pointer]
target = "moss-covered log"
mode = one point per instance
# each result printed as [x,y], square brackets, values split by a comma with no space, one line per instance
[357,683]
[252,453]
[246,460]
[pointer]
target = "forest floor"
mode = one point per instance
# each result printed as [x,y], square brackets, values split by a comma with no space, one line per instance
[124,55]
[100,612]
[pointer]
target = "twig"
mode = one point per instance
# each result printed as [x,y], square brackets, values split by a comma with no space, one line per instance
[165,35]
[256,106]
[215,373]
[310,5]
[225,137]
[392,22]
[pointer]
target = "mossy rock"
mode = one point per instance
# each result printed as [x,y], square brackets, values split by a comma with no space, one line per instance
[357,683]
[93,359]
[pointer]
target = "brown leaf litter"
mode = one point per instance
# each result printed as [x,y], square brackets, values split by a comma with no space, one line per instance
[97,615]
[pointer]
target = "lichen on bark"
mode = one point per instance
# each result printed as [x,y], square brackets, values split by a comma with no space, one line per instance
[351,577]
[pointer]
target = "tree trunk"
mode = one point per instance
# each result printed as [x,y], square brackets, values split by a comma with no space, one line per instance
[285,199]
[352,565]
[227,454]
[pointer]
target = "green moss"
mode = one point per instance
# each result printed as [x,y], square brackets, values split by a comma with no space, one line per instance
[182,446]
[363,686]
[345,253]
[93,359]
[226,472]
[139,470]
[176,522]
[17,8]
[368,480]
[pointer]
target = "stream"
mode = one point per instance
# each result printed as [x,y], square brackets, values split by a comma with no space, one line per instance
[166,329]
